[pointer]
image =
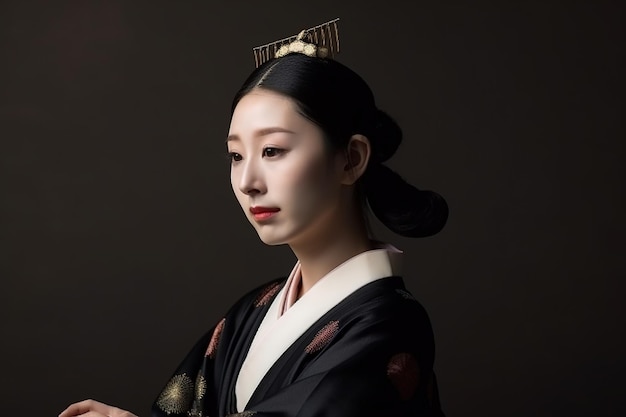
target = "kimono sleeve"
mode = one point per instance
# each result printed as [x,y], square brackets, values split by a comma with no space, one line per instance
[193,389]
[182,392]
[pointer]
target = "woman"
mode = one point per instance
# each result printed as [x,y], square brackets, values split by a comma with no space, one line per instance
[341,336]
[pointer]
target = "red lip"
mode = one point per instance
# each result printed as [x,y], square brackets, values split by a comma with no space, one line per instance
[259,210]
[263,213]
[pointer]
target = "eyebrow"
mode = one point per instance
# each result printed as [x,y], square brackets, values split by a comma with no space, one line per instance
[262,132]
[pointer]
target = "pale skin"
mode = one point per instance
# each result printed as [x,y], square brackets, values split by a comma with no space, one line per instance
[318,216]
[91,408]
[280,160]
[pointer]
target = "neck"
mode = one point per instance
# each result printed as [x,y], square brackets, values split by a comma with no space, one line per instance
[323,254]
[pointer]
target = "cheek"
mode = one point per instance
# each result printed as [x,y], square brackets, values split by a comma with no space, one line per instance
[234,183]
[309,185]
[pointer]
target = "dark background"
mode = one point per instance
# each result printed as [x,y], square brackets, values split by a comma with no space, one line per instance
[121,241]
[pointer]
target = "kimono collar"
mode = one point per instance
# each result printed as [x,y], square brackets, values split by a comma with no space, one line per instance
[278,332]
[383,261]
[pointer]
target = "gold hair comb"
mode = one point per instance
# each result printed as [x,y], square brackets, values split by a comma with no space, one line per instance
[321,41]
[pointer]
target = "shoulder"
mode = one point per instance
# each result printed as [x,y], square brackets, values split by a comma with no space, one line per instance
[258,296]
[387,299]
[379,334]
[386,311]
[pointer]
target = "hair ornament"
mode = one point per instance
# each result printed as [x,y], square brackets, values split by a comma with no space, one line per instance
[319,41]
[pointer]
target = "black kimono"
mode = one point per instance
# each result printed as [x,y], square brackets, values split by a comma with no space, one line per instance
[369,354]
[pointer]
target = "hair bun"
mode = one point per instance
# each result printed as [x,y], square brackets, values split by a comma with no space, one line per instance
[401,207]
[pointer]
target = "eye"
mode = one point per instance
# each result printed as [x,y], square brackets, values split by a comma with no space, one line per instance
[234,156]
[271,151]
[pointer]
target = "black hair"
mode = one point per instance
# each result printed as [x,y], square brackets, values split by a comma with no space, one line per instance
[341,103]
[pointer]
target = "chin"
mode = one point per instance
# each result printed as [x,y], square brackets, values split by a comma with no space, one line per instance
[271,239]
[272,242]
[279,234]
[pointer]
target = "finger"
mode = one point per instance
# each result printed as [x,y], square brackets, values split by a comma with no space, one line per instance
[84,407]
[93,414]
[118,412]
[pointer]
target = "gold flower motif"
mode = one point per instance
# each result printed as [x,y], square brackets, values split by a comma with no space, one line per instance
[302,45]
[297,46]
[319,41]
[200,387]
[195,412]
[177,395]
[309,49]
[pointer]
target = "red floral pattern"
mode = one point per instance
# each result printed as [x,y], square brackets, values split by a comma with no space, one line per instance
[323,337]
[403,372]
[266,294]
[215,339]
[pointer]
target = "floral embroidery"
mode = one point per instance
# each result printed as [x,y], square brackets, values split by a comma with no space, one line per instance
[195,412]
[200,386]
[177,395]
[323,337]
[403,372]
[215,339]
[266,294]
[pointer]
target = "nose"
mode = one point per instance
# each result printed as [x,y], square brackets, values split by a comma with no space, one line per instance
[251,179]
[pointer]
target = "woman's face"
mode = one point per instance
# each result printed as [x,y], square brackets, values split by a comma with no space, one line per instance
[282,174]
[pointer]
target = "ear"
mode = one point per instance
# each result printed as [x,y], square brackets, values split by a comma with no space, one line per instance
[357,156]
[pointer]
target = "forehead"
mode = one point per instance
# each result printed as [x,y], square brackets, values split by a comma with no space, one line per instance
[263,107]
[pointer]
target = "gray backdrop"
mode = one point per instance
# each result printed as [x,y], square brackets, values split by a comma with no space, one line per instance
[122,242]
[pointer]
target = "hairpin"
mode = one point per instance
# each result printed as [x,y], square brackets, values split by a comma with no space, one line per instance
[321,41]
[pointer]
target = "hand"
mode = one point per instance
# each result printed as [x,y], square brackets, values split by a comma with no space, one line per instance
[91,408]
